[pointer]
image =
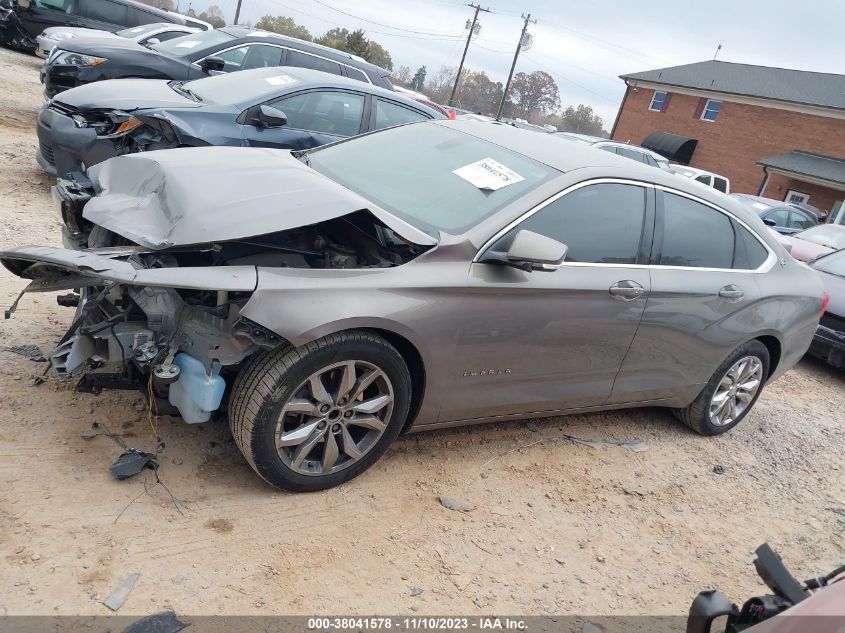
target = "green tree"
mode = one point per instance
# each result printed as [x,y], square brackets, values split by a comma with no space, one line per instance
[357,44]
[418,80]
[283,25]
[583,120]
[534,94]
[379,56]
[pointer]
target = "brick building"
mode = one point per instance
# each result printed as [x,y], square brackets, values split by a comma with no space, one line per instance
[774,132]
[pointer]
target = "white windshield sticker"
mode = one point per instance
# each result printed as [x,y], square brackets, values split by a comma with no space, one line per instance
[280,80]
[488,174]
[188,44]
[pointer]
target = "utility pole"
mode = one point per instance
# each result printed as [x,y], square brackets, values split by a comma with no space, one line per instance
[523,42]
[466,48]
[238,11]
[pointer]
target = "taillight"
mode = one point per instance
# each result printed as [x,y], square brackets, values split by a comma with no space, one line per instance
[825,303]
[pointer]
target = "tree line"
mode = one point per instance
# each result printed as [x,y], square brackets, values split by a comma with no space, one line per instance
[534,97]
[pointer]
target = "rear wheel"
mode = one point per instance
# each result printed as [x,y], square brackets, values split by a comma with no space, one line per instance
[730,393]
[312,417]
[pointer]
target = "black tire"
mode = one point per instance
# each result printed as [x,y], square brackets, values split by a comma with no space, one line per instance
[267,381]
[697,415]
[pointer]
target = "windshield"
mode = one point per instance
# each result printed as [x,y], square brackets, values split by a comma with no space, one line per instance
[833,264]
[138,31]
[830,235]
[192,43]
[410,171]
[241,87]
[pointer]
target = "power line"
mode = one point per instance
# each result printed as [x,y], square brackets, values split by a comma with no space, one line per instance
[451,38]
[389,26]
[568,80]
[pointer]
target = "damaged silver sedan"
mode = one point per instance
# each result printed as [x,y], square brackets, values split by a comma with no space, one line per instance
[428,275]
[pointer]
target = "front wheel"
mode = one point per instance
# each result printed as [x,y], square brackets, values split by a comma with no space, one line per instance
[730,393]
[312,417]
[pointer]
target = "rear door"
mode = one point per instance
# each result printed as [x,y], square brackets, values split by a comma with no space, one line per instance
[314,117]
[107,15]
[554,340]
[702,302]
[42,14]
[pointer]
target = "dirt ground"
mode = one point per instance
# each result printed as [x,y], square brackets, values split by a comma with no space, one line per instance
[553,532]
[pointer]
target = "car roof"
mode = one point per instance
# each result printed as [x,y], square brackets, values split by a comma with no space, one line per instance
[253,34]
[568,157]
[307,78]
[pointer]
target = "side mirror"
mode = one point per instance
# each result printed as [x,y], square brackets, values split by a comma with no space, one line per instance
[532,251]
[769,222]
[269,116]
[153,40]
[210,64]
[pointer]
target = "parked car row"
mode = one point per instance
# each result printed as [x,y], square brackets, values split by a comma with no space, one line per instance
[395,271]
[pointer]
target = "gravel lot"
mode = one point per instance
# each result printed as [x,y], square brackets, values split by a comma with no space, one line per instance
[554,529]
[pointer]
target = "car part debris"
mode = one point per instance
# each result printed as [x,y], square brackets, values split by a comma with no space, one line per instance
[30,351]
[162,622]
[12,31]
[121,592]
[132,462]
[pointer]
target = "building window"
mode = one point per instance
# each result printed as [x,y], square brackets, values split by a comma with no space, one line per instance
[659,101]
[711,110]
[796,197]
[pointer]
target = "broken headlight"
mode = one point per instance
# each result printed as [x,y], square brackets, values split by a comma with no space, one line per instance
[70,58]
[107,124]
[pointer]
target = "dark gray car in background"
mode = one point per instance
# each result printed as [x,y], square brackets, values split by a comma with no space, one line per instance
[81,61]
[292,108]
[427,275]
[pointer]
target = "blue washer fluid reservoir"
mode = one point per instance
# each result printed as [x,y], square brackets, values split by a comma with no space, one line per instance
[196,394]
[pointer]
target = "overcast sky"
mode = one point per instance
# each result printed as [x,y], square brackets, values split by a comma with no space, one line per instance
[584,45]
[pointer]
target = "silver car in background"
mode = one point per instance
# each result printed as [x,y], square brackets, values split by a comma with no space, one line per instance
[427,275]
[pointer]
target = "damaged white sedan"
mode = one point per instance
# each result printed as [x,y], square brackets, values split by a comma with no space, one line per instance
[427,275]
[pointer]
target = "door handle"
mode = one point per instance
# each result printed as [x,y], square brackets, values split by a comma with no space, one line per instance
[626,290]
[731,292]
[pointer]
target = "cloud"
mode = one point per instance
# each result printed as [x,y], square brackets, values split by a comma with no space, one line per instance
[584,46]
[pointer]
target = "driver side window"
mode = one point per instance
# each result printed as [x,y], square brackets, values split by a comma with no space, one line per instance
[600,224]
[327,112]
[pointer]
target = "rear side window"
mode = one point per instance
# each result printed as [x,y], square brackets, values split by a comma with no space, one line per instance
[354,73]
[302,60]
[389,114]
[750,253]
[105,11]
[632,154]
[600,224]
[720,184]
[695,235]
[704,178]
[801,221]
[145,17]
[167,35]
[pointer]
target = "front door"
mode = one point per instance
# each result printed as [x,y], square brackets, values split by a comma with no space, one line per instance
[314,118]
[552,340]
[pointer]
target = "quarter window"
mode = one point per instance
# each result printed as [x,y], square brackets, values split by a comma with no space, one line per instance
[389,114]
[335,113]
[695,235]
[302,60]
[711,110]
[600,224]
[658,101]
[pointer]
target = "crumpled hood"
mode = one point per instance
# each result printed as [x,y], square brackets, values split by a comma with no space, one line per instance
[125,94]
[199,195]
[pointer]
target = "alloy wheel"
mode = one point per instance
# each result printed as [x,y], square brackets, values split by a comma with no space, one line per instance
[736,391]
[334,418]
